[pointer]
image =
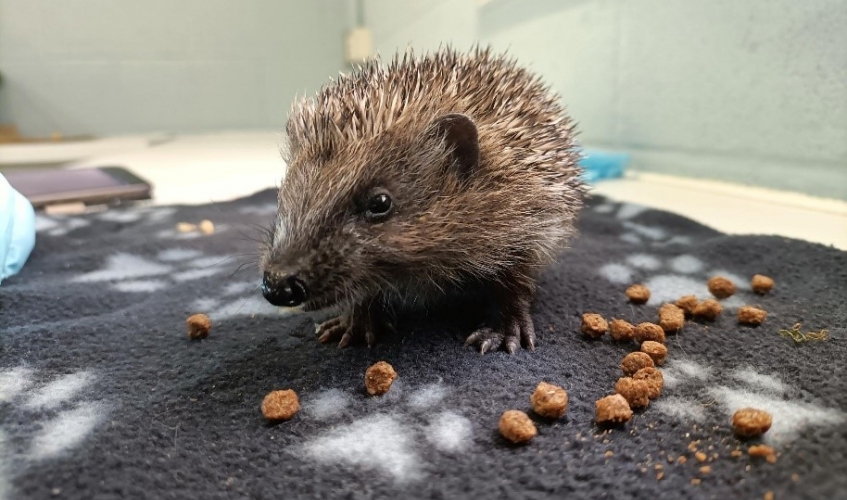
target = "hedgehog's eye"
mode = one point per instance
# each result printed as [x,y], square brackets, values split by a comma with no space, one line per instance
[379,207]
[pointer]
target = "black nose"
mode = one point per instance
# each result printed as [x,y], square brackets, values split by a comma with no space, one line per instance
[289,291]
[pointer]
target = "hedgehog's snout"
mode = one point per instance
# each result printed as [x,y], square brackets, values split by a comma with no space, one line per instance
[284,291]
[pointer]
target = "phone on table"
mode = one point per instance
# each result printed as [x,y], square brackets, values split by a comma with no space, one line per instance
[90,186]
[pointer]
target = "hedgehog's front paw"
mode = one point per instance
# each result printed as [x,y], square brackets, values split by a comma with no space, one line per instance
[518,330]
[352,328]
[337,329]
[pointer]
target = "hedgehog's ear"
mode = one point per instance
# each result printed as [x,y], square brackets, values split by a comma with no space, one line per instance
[459,132]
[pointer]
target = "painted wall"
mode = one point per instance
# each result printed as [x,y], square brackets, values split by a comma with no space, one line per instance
[115,66]
[752,91]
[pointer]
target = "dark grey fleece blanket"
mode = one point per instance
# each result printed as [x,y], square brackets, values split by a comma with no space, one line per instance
[103,396]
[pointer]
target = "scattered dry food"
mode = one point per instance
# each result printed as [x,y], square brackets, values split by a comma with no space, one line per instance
[660,475]
[750,422]
[206,226]
[721,287]
[609,454]
[799,337]
[638,294]
[379,377]
[687,304]
[199,326]
[649,331]
[709,309]
[706,469]
[700,456]
[763,450]
[696,481]
[671,317]
[549,400]
[635,361]
[768,495]
[749,315]
[280,405]
[654,378]
[795,477]
[621,330]
[185,227]
[634,391]
[658,352]
[517,427]
[682,459]
[612,410]
[761,283]
[736,453]
[593,325]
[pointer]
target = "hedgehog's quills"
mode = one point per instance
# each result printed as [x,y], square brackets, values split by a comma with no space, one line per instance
[419,178]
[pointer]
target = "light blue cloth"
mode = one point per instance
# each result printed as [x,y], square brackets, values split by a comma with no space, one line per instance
[17,230]
[598,165]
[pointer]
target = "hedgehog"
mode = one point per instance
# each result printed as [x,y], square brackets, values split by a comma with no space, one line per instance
[429,175]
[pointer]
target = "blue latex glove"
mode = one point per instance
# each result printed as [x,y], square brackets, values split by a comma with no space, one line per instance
[598,165]
[17,230]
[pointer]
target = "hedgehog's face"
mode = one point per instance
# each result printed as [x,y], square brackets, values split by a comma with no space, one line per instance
[352,224]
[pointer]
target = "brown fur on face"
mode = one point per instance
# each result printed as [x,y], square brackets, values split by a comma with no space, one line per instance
[489,191]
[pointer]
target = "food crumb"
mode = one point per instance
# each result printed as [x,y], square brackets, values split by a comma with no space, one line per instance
[753,316]
[709,309]
[280,405]
[671,318]
[612,409]
[621,330]
[593,325]
[657,351]
[635,361]
[700,456]
[795,477]
[206,226]
[517,427]
[185,227]
[750,422]
[736,453]
[609,454]
[549,400]
[687,303]
[660,475]
[763,450]
[761,284]
[706,469]
[379,377]
[638,294]
[670,459]
[695,481]
[634,391]
[199,326]
[768,495]
[654,379]
[721,287]
[682,459]
[649,331]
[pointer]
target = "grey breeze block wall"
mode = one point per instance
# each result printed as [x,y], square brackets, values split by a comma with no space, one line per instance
[750,91]
[122,66]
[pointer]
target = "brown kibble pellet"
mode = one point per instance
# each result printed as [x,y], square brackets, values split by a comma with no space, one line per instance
[761,283]
[671,318]
[549,400]
[621,330]
[634,391]
[736,453]
[750,422]
[280,405]
[655,381]
[706,469]
[687,304]
[185,227]
[638,294]
[206,226]
[696,481]
[517,427]
[199,326]
[752,316]
[709,309]
[768,495]
[658,352]
[635,361]
[593,325]
[763,450]
[612,410]
[379,377]
[721,287]
[700,456]
[649,331]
